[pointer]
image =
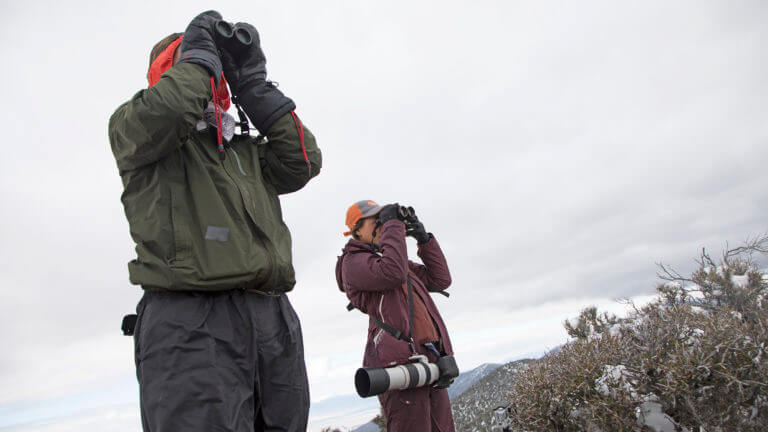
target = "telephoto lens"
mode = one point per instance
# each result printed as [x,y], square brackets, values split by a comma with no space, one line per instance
[375,381]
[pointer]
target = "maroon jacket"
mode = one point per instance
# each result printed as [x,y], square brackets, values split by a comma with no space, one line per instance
[373,281]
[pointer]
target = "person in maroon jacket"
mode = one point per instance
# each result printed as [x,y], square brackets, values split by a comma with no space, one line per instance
[375,273]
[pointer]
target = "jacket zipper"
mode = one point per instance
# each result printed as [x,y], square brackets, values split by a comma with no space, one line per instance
[381,316]
[381,313]
[258,233]
[237,158]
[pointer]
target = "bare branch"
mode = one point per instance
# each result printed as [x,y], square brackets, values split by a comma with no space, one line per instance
[670,274]
[757,244]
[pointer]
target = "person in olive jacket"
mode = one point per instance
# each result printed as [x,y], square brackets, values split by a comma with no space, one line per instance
[218,345]
[374,271]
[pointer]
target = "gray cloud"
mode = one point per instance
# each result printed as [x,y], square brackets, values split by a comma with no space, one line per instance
[557,150]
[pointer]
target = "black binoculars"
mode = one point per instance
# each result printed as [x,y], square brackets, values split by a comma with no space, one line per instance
[407,214]
[231,37]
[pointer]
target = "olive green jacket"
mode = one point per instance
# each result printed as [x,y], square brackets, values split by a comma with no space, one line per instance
[199,223]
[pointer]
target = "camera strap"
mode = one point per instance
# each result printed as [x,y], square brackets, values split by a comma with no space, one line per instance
[432,289]
[243,123]
[410,313]
[397,334]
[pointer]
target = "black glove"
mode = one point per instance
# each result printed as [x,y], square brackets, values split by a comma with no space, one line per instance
[443,383]
[417,231]
[448,371]
[198,45]
[389,211]
[246,72]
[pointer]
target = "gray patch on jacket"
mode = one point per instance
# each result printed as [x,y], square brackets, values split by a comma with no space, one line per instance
[217,233]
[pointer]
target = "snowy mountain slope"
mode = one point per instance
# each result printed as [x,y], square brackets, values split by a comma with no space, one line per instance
[472,409]
[465,380]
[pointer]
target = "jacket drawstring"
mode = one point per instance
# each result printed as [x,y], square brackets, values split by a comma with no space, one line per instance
[217,110]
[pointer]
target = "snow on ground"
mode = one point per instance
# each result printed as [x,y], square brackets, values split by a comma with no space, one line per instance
[614,377]
[356,418]
[650,414]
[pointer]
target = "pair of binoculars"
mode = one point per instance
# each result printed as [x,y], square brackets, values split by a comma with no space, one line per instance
[232,37]
[407,214]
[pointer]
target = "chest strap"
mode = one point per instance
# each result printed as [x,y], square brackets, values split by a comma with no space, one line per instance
[395,333]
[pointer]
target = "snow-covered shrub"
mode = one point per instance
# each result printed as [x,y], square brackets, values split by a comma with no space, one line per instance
[696,359]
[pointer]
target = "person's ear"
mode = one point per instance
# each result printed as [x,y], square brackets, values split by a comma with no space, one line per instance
[176,55]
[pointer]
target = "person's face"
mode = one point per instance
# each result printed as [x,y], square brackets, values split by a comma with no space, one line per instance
[368,232]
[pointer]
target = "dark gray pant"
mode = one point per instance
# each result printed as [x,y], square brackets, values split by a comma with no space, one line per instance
[230,361]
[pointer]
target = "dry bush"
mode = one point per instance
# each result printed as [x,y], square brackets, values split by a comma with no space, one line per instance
[695,359]
[380,421]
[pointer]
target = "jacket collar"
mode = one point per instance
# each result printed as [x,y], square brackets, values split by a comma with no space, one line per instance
[352,246]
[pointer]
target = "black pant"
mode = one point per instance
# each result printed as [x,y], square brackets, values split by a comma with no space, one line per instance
[230,361]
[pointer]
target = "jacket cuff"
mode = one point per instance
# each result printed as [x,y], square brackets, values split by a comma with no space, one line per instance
[389,222]
[205,59]
[265,104]
[429,239]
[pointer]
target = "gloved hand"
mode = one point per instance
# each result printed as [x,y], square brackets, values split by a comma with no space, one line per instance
[417,231]
[243,64]
[246,72]
[388,212]
[198,45]
[448,371]
[443,383]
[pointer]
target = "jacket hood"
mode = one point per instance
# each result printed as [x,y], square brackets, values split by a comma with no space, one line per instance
[164,61]
[352,246]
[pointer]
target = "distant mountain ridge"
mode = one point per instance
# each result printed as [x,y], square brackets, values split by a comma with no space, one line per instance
[465,380]
[341,405]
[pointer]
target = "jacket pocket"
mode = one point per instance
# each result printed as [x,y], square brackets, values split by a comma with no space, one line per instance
[181,242]
[377,337]
[390,351]
[137,330]
[375,340]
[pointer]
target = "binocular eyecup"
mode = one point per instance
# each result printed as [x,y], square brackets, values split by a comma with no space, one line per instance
[232,37]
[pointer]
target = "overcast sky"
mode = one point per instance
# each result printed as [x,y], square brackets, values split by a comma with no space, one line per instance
[556,149]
